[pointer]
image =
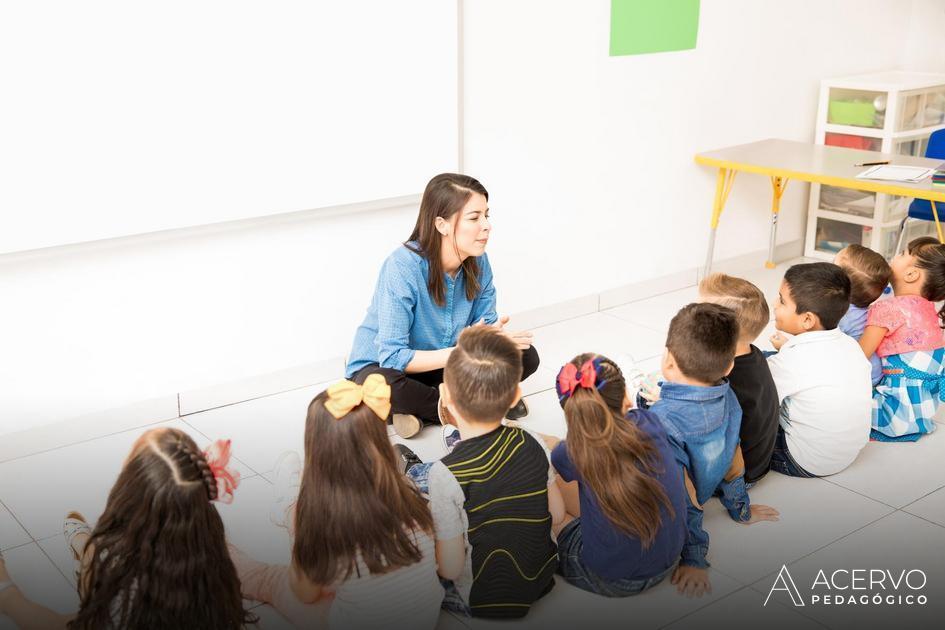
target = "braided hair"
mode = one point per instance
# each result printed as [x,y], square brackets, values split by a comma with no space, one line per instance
[159,557]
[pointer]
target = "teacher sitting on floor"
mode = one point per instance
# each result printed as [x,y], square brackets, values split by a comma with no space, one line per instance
[432,287]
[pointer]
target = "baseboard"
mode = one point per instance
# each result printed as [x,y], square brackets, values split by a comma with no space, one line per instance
[257,386]
[647,289]
[782,252]
[83,428]
[91,426]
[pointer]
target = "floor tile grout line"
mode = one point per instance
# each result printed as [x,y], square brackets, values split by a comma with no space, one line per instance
[822,547]
[48,557]
[702,607]
[236,457]
[90,439]
[865,496]
[649,297]
[246,400]
[927,494]
[18,522]
[922,518]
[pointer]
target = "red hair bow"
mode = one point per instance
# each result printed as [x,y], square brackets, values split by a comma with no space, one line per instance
[569,378]
[227,479]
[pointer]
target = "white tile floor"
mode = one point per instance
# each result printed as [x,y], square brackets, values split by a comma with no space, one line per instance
[886,511]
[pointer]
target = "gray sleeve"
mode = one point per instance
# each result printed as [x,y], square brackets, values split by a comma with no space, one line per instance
[544,447]
[446,503]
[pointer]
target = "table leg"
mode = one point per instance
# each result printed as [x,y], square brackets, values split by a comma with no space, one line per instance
[778,184]
[938,224]
[723,186]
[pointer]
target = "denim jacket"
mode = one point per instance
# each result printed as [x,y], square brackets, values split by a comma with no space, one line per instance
[703,424]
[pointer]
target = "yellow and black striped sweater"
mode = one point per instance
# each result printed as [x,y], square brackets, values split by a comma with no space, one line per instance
[504,478]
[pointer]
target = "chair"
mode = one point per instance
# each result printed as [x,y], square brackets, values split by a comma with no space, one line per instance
[921,208]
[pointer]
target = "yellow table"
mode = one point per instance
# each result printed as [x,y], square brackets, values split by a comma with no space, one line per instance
[784,160]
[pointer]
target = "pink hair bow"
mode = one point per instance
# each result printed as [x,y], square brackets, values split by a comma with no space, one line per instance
[227,479]
[569,378]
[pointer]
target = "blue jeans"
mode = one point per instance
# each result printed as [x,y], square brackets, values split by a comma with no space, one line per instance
[452,599]
[781,460]
[419,474]
[572,569]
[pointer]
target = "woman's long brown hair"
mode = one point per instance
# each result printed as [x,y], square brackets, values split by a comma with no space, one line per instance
[615,458]
[444,196]
[930,257]
[159,556]
[354,503]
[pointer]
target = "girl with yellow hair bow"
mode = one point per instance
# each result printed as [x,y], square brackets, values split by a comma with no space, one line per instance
[356,520]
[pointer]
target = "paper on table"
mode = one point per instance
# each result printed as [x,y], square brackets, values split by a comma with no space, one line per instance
[896,173]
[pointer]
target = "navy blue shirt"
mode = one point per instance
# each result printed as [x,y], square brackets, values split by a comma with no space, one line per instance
[609,552]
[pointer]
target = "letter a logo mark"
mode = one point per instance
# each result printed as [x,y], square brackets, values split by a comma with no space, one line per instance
[786,584]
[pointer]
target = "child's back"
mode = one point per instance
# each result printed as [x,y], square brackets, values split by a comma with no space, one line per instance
[824,386]
[753,385]
[750,377]
[823,382]
[869,275]
[493,488]
[703,424]
[905,332]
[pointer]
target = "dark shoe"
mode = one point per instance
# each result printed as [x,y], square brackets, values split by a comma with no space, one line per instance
[520,410]
[407,458]
[406,425]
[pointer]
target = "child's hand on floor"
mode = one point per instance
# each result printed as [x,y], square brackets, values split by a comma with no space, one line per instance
[691,581]
[762,513]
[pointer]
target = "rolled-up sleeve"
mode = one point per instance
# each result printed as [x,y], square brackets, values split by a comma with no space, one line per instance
[396,305]
[484,305]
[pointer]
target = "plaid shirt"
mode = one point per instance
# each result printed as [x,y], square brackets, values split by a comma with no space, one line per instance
[909,395]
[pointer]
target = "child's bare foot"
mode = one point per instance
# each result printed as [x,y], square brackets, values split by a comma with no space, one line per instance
[691,581]
[762,513]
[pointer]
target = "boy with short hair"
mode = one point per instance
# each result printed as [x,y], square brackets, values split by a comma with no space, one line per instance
[750,377]
[702,419]
[869,275]
[822,375]
[494,497]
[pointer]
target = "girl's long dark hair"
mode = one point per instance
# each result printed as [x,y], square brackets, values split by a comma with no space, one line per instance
[444,196]
[354,503]
[615,458]
[930,257]
[159,556]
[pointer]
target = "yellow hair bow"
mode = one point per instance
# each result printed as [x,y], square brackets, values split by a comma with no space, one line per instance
[345,395]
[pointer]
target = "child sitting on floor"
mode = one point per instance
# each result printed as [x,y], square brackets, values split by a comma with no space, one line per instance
[905,332]
[702,419]
[625,499]
[157,557]
[822,377]
[363,552]
[750,378]
[494,497]
[869,275]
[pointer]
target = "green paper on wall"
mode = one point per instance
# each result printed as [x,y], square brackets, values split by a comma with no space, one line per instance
[648,26]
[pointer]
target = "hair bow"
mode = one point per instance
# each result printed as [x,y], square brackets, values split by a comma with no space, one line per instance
[345,395]
[227,480]
[570,378]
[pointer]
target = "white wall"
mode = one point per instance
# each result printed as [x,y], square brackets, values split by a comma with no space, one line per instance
[588,160]
[591,157]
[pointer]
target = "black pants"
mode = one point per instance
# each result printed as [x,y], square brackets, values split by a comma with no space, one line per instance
[419,393]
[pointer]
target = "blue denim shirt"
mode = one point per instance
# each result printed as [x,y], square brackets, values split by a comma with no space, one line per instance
[403,317]
[852,324]
[702,424]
